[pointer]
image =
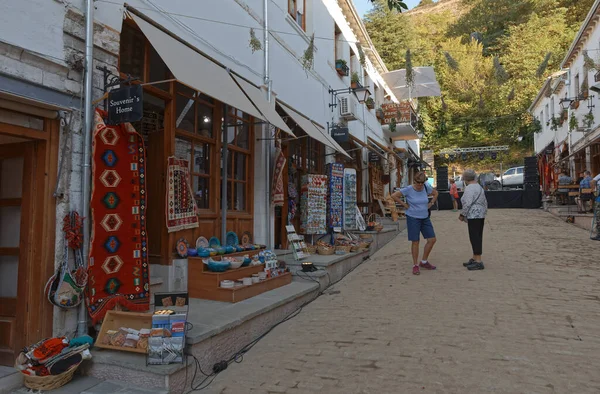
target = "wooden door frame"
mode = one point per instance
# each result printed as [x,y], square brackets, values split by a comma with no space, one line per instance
[38,235]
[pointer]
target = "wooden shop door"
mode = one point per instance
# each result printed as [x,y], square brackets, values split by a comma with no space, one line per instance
[15,208]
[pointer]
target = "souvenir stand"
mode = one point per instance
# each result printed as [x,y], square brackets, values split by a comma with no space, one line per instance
[314,205]
[167,335]
[350,199]
[335,202]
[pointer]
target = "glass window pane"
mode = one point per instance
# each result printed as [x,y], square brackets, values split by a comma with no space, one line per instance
[158,70]
[181,88]
[240,166]
[201,159]
[183,149]
[9,271]
[132,52]
[185,114]
[10,227]
[205,120]
[243,136]
[201,187]
[11,177]
[240,197]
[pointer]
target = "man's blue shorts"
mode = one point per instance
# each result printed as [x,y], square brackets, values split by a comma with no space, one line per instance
[415,227]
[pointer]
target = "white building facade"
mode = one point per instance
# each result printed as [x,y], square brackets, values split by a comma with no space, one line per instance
[568,109]
[41,88]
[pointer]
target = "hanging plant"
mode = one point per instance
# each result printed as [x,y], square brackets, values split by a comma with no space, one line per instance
[573,124]
[452,63]
[392,125]
[361,55]
[255,43]
[543,65]
[499,71]
[308,58]
[410,76]
[588,62]
[555,121]
[588,120]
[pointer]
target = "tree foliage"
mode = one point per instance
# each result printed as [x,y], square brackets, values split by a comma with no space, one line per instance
[490,56]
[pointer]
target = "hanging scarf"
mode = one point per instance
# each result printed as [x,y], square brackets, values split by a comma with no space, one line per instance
[277,186]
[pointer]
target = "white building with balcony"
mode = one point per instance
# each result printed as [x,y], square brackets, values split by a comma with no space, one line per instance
[568,107]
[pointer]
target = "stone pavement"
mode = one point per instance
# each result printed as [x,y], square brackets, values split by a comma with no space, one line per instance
[528,323]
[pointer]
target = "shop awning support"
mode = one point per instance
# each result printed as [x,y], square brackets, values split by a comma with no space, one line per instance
[224,170]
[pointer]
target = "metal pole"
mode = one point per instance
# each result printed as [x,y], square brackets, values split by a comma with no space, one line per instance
[266,128]
[224,179]
[87,146]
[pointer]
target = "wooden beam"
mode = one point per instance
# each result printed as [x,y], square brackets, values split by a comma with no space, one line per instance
[20,131]
[10,202]
[9,251]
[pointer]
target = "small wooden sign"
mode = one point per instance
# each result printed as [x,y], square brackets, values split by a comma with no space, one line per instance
[125,105]
[340,134]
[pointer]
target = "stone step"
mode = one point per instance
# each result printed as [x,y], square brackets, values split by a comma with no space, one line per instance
[219,330]
[10,379]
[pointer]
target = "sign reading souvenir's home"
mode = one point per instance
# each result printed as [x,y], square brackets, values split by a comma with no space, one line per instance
[340,134]
[374,157]
[125,105]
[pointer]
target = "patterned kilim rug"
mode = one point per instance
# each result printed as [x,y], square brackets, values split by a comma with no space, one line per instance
[182,211]
[118,269]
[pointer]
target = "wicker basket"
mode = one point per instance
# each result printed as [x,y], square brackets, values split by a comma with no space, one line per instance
[364,245]
[378,227]
[50,382]
[366,236]
[312,249]
[355,248]
[325,251]
[344,249]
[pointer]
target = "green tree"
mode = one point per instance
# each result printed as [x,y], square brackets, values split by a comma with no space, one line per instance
[423,3]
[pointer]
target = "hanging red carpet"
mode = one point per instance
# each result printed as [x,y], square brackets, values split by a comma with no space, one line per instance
[118,269]
[182,211]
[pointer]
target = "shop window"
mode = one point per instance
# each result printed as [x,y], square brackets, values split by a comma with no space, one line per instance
[198,154]
[132,51]
[239,137]
[186,115]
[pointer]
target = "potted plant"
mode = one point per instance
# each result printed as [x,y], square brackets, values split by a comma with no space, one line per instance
[573,123]
[370,103]
[379,113]
[341,67]
[564,116]
[588,120]
[575,104]
[555,123]
[355,81]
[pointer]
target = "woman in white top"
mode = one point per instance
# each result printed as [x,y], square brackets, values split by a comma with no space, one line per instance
[474,210]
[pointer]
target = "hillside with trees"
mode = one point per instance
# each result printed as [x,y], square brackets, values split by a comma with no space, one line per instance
[490,56]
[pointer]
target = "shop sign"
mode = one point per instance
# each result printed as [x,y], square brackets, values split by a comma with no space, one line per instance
[340,134]
[374,157]
[125,105]
[400,111]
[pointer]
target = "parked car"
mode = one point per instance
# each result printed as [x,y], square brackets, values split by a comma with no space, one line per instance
[513,177]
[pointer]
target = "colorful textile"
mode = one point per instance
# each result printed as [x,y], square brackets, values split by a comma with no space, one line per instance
[277,188]
[118,270]
[182,211]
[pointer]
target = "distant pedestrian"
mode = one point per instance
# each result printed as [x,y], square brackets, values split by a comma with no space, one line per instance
[418,219]
[473,212]
[563,180]
[454,194]
[585,184]
[595,183]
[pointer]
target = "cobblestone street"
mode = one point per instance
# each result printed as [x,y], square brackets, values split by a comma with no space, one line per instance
[528,323]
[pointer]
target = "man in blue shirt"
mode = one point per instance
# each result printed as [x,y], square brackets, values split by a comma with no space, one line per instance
[584,197]
[417,207]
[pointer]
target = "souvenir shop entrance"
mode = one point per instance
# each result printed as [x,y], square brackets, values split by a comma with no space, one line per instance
[27,162]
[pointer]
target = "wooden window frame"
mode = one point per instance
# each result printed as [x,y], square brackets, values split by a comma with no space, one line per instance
[232,149]
[293,12]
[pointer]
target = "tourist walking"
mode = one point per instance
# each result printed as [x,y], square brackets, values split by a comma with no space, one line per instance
[418,219]
[473,212]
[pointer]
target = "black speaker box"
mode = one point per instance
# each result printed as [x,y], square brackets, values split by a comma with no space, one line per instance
[532,199]
[531,186]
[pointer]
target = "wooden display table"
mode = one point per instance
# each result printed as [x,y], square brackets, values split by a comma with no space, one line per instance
[205,284]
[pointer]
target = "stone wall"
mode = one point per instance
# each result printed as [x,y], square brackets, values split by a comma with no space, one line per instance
[63,71]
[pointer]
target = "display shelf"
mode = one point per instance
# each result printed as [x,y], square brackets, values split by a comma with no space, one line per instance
[241,293]
[313,203]
[350,199]
[117,319]
[205,284]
